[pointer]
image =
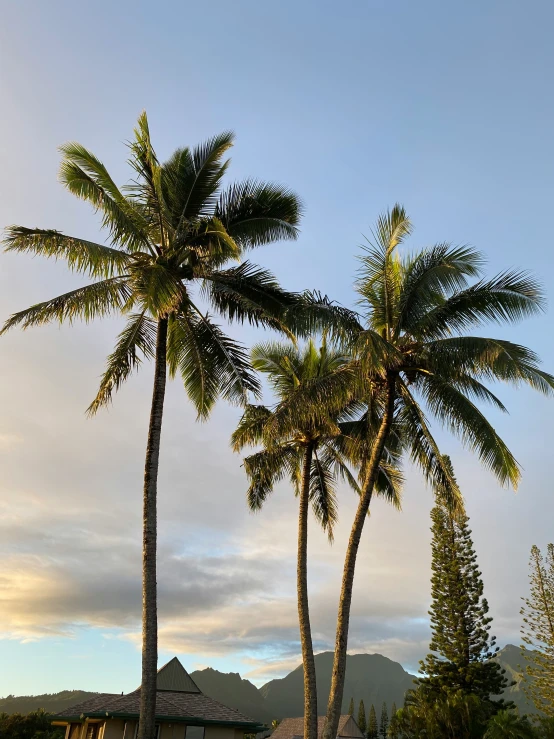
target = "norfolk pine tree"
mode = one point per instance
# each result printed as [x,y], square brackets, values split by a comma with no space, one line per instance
[372,725]
[384,722]
[461,647]
[538,631]
[361,717]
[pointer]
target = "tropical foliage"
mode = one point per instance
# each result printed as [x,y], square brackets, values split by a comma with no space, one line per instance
[416,357]
[298,436]
[34,725]
[461,647]
[172,235]
[538,631]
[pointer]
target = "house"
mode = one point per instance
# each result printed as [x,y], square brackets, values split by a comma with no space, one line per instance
[182,710]
[293,728]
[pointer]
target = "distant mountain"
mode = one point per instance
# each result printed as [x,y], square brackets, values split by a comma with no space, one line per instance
[230,689]
[51,702]
[370,677]
[514,662]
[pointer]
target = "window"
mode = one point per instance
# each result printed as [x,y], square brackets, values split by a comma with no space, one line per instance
[194,732]
[92,731]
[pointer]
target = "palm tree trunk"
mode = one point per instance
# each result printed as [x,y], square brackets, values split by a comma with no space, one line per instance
[149,534]
[310,688]
[341,641]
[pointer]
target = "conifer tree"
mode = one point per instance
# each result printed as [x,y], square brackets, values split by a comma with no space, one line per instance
[351,707]
[538,631]
[372,727]
[384,722]
[361,717]
[394,732]
[461,647]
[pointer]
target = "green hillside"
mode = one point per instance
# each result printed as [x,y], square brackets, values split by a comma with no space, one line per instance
[51,702]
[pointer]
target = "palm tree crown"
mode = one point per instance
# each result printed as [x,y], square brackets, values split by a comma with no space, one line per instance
[173,228]
[413,352]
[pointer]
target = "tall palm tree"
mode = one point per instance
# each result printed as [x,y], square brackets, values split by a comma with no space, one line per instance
[413,348]
[171,234]
[313,389]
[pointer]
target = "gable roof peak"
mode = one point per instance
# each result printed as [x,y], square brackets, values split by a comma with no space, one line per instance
[173,677]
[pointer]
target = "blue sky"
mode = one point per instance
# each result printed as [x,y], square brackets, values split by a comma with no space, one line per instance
[446,108]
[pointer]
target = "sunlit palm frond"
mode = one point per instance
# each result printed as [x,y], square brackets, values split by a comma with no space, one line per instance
[491,359]
[440,270]
[314,313]
[249,293]
[86,303]
[136,341]
[265,469]
[211,364]
[453,409]
[249,431]
[506,298]
[192,179]
[323,494]
[424,452]
[256,213]
[88,257]
[87,178]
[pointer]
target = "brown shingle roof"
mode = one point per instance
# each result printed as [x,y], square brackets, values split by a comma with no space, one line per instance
[178,698]
[294,727]
[177,706]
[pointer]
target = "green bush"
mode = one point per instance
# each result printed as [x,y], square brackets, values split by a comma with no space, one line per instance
[34,725]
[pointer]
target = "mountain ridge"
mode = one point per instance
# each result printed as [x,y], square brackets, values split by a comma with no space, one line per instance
[372,678]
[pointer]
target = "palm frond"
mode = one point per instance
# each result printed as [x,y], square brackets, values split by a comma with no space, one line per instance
[425,453]
[441,270]
[493,359]
[159,288]
[193,178]
[206,246]
[82,256]
[249,293]
[149,189]
[313,404]
[389,484]
[323,495]
[454,410]
[249,431]
[266,468]
[256,213]
[87,178]
[313,313]
[211,364]
[506,298]
[137,340]
[86,303]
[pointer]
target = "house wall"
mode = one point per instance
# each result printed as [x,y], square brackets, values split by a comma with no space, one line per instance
[172,731]
[113,728]
[219,732]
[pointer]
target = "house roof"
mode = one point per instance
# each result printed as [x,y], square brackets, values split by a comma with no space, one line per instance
[289,728]
[173,676]
[178,699]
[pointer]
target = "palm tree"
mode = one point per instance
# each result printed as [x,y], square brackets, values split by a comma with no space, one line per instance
[412,348]
[508,725]
[171,234]
[313,388]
